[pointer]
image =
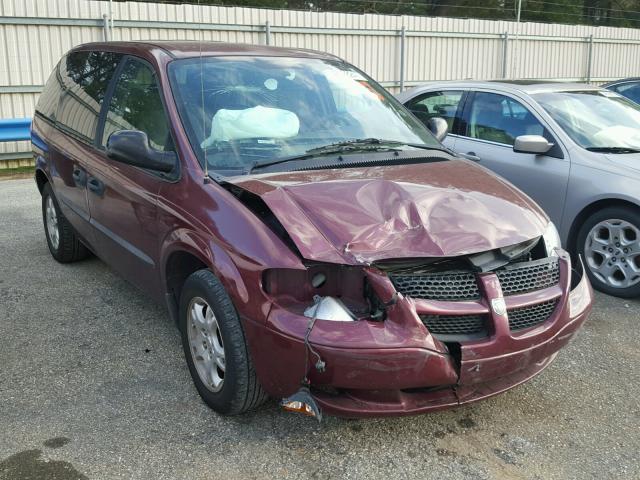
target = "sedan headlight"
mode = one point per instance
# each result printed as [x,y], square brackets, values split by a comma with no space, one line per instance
[551,240]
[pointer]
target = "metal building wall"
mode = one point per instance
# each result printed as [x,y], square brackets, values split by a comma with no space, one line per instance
[35,33]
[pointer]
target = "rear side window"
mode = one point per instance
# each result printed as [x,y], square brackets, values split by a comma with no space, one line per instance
[85,77]
[136,105]
[50,96]
[442,104]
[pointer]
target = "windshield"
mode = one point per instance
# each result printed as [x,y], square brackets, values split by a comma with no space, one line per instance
[239,111]
[596,119]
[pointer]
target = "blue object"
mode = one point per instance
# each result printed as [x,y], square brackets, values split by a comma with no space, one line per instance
[14,129]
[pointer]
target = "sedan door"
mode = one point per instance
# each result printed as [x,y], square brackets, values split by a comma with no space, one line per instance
[491,123]
[123,198]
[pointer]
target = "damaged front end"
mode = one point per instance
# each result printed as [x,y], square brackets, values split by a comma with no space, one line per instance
[417,290]
[404,337]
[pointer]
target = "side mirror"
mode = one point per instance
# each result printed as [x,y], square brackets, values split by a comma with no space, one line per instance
[439,127]
[132,147]
[535,144]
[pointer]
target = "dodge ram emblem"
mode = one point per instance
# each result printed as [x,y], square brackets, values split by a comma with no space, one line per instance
[498,305]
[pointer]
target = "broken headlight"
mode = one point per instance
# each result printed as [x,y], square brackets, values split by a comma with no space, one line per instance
[328,291]
[551,240]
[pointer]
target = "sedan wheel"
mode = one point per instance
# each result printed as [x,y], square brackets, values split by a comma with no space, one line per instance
[207,347]
[610,243]
[612,251]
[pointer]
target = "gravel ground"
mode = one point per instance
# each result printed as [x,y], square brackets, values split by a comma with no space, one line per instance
[93,384]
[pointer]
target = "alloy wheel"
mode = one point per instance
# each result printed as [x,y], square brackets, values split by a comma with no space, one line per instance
[612,253]
[52,223]
[206,345]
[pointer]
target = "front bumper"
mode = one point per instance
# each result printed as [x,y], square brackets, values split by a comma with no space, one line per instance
[397,367]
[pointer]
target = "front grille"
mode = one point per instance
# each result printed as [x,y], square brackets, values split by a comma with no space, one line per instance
[458,285]
[525,317]
[528,277]
[471,326]
[438,286]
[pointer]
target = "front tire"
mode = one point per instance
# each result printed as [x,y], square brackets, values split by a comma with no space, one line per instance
[609,241]
[63,243]
[215,347]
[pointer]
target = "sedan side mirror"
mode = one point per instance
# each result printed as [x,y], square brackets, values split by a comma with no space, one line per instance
[439,127]
[132,147]
[535,144]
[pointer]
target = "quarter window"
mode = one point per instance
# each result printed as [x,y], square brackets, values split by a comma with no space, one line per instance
[50,96]
[136,105]
[500,119]
[83,77]
[442,104]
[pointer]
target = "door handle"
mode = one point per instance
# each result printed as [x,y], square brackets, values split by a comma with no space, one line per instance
[470,156]
[96,186]
[79,177]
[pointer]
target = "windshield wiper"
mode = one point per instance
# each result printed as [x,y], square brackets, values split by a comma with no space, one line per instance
[613,149]
[348,146]
[356,144]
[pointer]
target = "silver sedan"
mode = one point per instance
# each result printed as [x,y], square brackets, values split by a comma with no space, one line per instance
[573,148]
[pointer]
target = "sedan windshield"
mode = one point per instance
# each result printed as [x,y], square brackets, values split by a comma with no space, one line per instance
[244,111]
[597,120]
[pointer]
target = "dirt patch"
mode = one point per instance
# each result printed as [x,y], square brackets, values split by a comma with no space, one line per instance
[29,465]
[56,442]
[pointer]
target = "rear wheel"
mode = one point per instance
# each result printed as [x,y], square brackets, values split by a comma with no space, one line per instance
[610,243]
[215,347]
[63,243]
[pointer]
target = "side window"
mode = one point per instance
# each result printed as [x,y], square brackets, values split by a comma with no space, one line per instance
[50,97]
[136,105]
[500,119]
[84,78]
[436,104]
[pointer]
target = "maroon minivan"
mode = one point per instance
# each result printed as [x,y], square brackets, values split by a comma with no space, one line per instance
[312,240]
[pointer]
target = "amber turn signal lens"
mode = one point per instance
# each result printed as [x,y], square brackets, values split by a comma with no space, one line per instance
[299,407]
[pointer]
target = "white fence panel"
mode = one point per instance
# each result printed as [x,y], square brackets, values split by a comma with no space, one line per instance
[36,33]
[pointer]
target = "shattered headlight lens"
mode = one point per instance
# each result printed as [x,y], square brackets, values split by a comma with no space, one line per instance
[551,240]
[324,291]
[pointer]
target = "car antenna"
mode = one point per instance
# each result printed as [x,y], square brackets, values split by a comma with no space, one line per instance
[204,131]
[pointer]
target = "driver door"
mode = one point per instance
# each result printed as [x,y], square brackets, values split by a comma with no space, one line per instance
[123,198]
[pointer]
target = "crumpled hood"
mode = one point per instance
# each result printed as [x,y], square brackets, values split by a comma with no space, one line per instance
[361,215]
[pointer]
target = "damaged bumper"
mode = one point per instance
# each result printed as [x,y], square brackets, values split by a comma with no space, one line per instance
[398,367]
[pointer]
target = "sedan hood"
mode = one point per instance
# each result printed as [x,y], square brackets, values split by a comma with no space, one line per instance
[629,160]
[362,215]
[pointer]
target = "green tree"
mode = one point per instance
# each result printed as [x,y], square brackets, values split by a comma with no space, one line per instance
[616,13]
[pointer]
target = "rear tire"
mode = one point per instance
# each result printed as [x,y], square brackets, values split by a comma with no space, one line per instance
[609,242]
[63,243]
[215,347]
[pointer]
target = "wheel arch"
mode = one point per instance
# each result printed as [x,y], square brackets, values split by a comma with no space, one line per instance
[589,210]
[188,253]
[41,179]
